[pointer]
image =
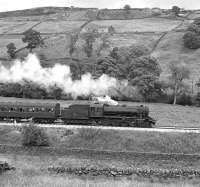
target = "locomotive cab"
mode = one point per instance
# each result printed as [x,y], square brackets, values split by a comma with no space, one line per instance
[96,110]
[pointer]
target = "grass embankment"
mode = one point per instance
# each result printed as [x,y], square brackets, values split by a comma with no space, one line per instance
[113,140]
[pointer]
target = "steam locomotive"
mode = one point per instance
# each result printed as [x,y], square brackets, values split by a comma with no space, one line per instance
[78,114]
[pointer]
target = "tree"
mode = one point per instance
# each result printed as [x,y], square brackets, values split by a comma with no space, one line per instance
[178,74]
[111,30]
[56,92]
[114,53]
[72,43]
[127,9]
[148,86]
[176,10]
[33,39]
[106,65]
[11,50]
[83,67]
[89,38]
[105,44]
[144,73]
[191,38]
[144,65]
[195,28]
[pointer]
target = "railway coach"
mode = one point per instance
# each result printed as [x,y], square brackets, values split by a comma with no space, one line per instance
[38,112]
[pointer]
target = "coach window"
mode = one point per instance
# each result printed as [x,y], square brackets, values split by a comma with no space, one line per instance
[43,109]
[21,109]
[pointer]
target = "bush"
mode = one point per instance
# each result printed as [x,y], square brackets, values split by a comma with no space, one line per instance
[88,134]
[68,132]
[184,99]
[34,136]
[191,40]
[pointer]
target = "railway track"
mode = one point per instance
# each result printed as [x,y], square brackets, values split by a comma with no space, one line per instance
[156,129]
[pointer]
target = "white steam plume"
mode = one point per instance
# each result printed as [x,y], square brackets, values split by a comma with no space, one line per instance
[59,75]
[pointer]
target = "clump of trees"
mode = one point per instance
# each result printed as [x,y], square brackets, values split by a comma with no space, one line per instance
[191,38]
[31,90]
[133,64]
[31,38]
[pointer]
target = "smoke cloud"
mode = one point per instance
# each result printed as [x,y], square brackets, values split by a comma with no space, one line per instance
[60,75]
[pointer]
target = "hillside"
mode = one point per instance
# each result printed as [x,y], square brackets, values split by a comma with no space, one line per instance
[157,29]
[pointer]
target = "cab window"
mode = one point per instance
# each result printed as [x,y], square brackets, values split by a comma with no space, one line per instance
[92,109]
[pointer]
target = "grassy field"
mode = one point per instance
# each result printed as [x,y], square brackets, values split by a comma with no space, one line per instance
[146,25]
[119,14]
[14,27]
[171,49]
[148,40]
[59,26]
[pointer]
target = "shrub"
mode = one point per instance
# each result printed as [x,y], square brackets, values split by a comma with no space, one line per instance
[68,132]
[191,40]
[184,99]
[194,28]
[156,13]
[34,136]
[88,134]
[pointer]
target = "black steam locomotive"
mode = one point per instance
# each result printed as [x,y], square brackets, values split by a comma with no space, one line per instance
[78,114]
